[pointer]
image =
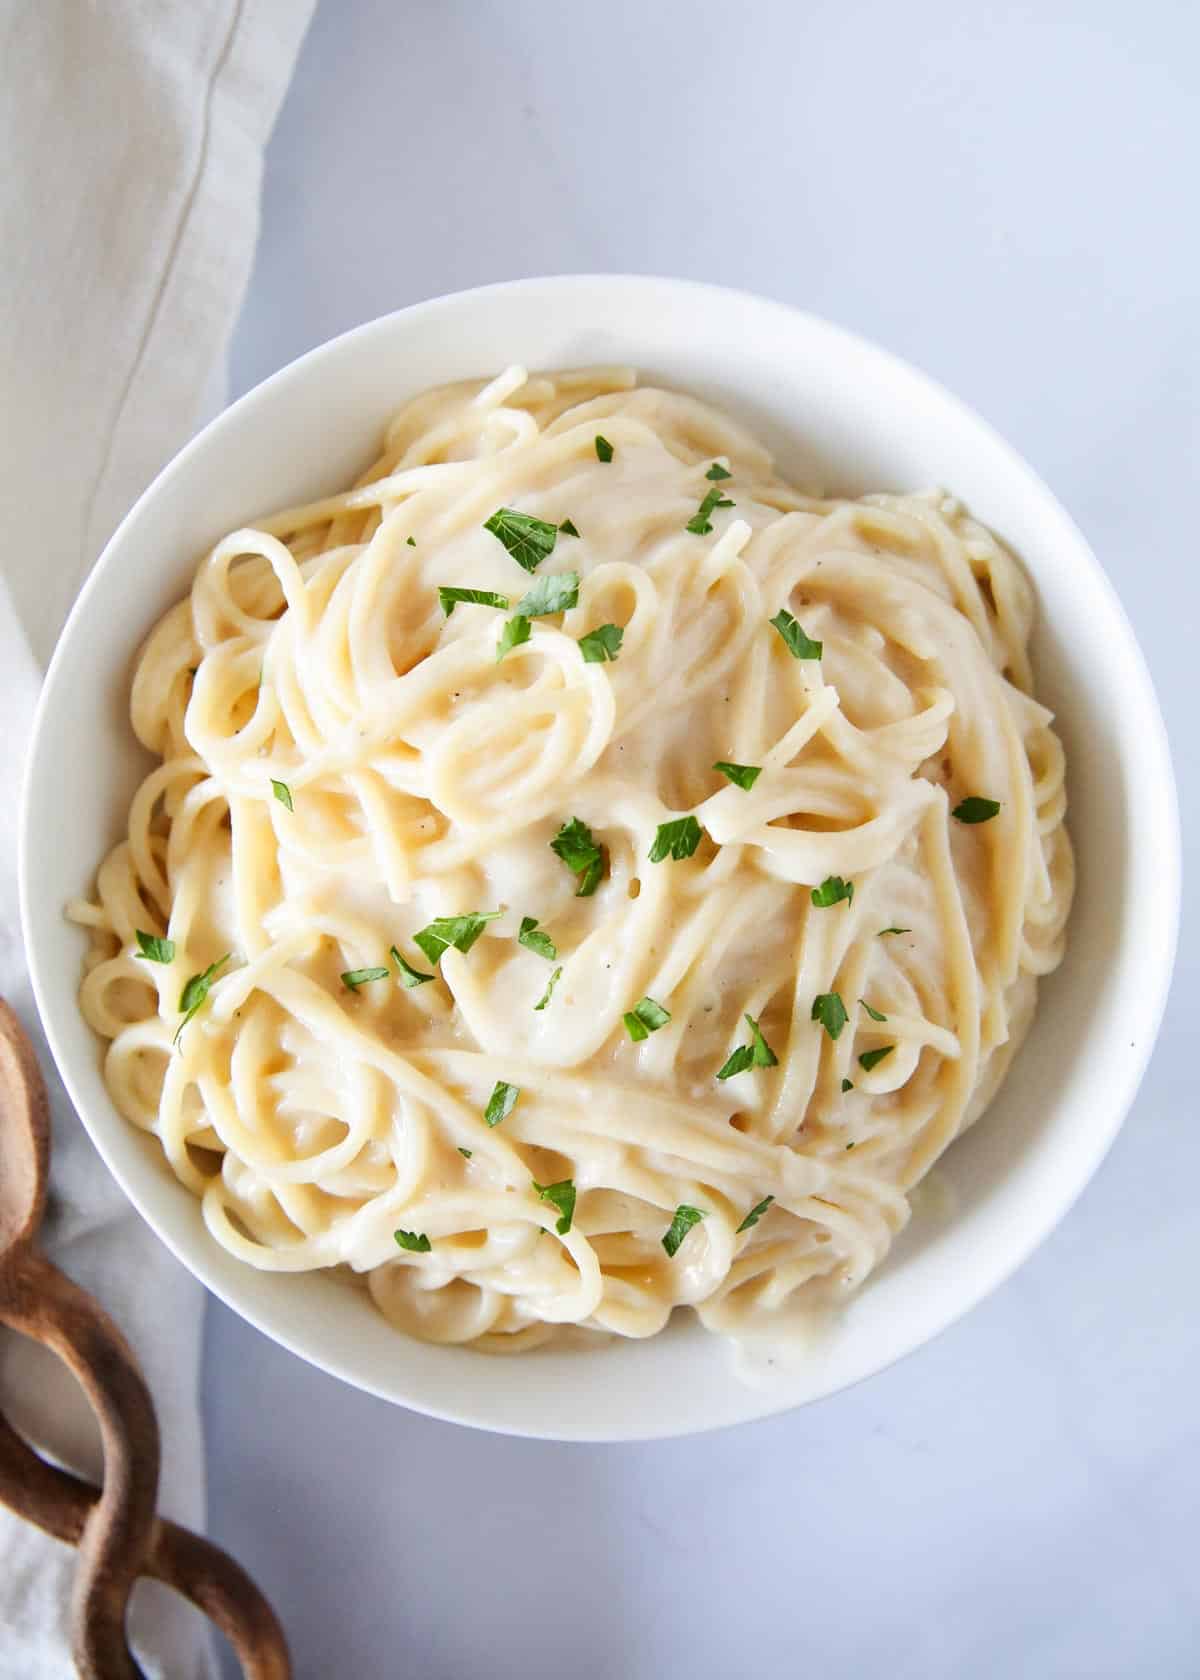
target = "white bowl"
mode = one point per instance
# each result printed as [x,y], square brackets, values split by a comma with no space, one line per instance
[837,411]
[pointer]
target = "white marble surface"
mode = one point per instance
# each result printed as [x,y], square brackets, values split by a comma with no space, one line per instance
[1001,194]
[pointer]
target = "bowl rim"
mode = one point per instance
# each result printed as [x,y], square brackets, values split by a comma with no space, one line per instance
[1159,777]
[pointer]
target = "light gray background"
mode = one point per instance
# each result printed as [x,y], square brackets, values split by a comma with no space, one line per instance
[1005,194]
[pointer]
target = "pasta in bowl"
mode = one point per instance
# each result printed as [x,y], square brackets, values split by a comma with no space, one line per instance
[584,875]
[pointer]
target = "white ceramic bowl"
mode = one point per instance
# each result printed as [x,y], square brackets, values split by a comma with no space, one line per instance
[837,411]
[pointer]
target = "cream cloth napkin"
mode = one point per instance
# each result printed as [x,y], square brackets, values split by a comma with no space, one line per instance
[132,133]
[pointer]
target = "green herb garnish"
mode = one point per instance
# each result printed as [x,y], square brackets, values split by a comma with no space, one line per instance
[561,1196]
[741,775]
[830,1011]
[832,891]
[583,857]
[604,643]
[677,839]
[465,1153]
[501,1103]
[533,940]
[459,931]
[873,1013]
[195,992]
[552,593]
[283,793]
[604,449]
[872,1058]
[567,527]
[549,992]
[973,809]
[409,976]
[717,472]
[450,599]
[527,539]
[685,1218]
[758,1053]
[847,1085]
[700,523]
[416,1242]
[755,1214]
[411,541]
[515,631]
[882,931]
[155,949]
[356,977]
[799,645]
[644,1018]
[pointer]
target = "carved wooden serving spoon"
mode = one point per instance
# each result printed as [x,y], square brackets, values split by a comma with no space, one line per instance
[115,1526]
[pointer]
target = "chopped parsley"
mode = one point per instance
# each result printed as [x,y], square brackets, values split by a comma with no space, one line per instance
[755,1214]
[549,992]
[644,1018]
[459,931]
[515,631]
[883,931]
[583,857]
[416,1242]
[685,1218]
[873,1013]
[847,1085]
[195,992]
[465,1153]
[717,472]
[973,809]
[604,643]
[830,1011]
[604,449]
[561,1196]
[567,527]
[527,539]
[758,1053]
[534,940]
[676,839]
[741,775]
[411,541]
[553,593]
[832,891]
[283,793]
[450,598]
[155,949]
[501,1103]
[356,977]
[872,1058]
[409,976]
[799,645]
[700,524]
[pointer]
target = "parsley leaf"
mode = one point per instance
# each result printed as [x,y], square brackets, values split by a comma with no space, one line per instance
[533,940]
[644,1018]
[872,1058]
[416,1242]
[501,1103]
[409,976]
[549,992]
[356,977]
[677,839]
[604,449]
[583,857]
[465,1153]
[799,645]
[561,1196]
[685,1218]
[450,598]
[755,1214]
[717,472]
[873,1013]
[757,1053]
[515,631]
[567,527]
[976,810]
[604,643]
[195,993]
[552,593]
[847,1085]
[739,1060]
[882,931]
[459,931]
[741,775]
[830,1011]
[527,539]
[700,523]
[411,541]
[283,793]
[155,949]
[832,891]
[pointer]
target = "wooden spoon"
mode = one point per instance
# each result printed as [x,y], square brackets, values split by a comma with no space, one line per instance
[115,1527]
